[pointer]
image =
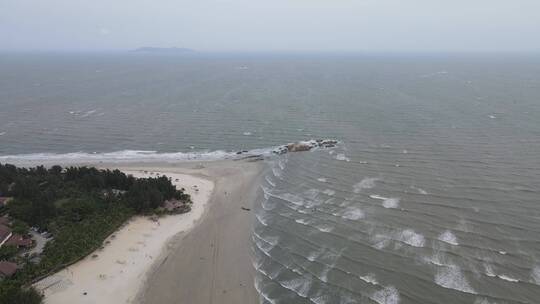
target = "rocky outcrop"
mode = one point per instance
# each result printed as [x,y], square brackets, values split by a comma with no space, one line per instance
[299,147]
[306,145]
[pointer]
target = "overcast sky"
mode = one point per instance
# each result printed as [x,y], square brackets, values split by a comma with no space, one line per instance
[272,25]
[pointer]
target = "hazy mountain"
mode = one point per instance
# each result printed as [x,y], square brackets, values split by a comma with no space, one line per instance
[169,50]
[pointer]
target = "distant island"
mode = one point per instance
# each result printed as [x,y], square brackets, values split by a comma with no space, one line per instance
[169,50]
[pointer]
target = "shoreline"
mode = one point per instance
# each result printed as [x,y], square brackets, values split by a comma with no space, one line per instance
[127,267]
[213,262]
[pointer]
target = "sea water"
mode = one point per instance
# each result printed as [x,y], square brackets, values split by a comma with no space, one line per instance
[431,196]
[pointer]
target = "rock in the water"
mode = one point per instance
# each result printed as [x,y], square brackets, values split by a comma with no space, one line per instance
[305,146]
[298,147]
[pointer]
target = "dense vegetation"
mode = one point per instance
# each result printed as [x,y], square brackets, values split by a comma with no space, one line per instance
[79,206]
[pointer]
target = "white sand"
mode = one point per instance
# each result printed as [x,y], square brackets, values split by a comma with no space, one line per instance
[121,267]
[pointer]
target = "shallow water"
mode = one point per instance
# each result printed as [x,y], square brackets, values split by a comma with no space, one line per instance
[432,195]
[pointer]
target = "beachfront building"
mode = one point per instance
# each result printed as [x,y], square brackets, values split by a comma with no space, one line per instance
[7,237]
[7,269]
[19,241]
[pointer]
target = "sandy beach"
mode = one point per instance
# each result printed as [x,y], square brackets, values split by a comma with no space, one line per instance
[202,256]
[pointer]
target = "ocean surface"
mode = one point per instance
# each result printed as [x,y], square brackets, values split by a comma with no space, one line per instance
[431,196]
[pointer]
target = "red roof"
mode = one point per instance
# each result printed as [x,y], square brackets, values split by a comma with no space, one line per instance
[19,241]
[4,220]
[5,231]
[7,268]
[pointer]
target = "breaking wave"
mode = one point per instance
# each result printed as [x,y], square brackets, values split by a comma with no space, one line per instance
[410,237]
[448,237]
[453,278]
[147,155]
[366,183]
[387,295]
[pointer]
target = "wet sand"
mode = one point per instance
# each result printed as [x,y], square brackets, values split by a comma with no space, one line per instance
[212,263]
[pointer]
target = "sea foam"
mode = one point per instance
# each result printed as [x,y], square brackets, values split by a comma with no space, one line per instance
[535,274]
[391,203]
[117,157]
[342,157]
[507,278]
[448,237]
[366,183]
[453,278]
[353,213]
[387,295]
[300,286]
[369,278]
[410,237]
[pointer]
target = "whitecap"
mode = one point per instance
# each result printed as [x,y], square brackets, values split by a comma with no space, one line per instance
[324,273]
[376,196]
[322,299]
[437,258]
[329,192]
[507,278]
[448,237]
[247,133]
[262,219]
[369,278]
[342,157]
[300,286]
[2,133]
[387,295]
[353,213]
[489,270]
[366,183]
[410,237]
[380,241]
[420,190]
[263,246]
[452,277]
[260,292]
[324,227]
[315,254]
[535,274]
[303,211]
[270,181]
[118,156]
[302,221]
[291,198]
[139,156]
[322,179]
[88,113]
[272,240]
[391,203]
